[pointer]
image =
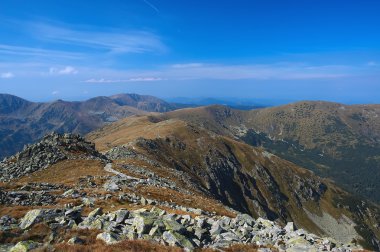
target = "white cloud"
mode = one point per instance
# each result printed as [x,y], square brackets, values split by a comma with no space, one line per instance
[55,92]
[63,71]
[7,75]
[111,40]
[138,79]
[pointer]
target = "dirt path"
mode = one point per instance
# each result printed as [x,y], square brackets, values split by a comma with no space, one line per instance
[108,168]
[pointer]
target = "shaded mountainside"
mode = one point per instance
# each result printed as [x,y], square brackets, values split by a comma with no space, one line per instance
[23,122]
[243,177]
[337,141]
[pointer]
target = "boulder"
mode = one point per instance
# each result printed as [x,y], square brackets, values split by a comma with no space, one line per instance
[31,218]
[172,225]
[37,215]
[143,223]
[244,218]
[95,212]
[108,238]
[71,193]
[289,227]
[176,239]
[216,229]
[111,186]
[121,215]
[24,246]
[297,241]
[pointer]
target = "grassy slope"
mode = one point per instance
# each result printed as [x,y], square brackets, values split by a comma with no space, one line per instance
[234,172]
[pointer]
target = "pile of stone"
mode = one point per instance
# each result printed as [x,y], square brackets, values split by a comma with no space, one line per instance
[121,152]
[8,223]
[116,183]
[127,151]
[50,150]
[25,198]
[181,230]
[140,200]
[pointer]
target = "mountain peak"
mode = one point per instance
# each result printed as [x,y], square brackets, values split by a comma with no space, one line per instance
[10,103]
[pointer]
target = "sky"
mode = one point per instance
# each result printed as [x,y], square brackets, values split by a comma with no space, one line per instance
[284,50]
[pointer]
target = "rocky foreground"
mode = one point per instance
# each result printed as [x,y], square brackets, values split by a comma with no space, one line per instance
[190,231]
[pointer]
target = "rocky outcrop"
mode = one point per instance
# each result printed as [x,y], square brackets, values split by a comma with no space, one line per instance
[201,231]
[50,150]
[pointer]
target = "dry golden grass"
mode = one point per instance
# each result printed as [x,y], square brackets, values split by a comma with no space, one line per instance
[124,246]
[129,129]
[66,172]
[38,233]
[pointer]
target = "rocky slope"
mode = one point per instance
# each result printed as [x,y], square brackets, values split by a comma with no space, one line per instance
[50,150]
[248,179]
[144,195]
[23,122]
[333,140]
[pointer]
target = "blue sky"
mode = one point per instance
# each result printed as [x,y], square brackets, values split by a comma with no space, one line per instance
[284,50]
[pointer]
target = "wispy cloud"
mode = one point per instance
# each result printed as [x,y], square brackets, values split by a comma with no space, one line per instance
[112,40]
[63,71]
[196,71]
[37,52]
[7,75]
[152,6]
[55,92]
[257,71]
[138,79]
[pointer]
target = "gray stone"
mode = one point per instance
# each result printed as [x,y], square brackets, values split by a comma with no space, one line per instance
[71,193]
[289,227]
[244,218]
[143,201]
[121,215]
[95,212]
[108,238]
[143,223]
[216,229]
[89,202]
[229,236]
[111,186]
[175,239]
[173,225]
[75,240]
[37,215]
[200,233]
[24,246]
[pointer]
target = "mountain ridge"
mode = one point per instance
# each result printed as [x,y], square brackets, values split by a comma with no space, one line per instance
[23,122]
[334,140]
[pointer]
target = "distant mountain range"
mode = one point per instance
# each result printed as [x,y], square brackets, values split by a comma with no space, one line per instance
[243,104]
[23,122]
